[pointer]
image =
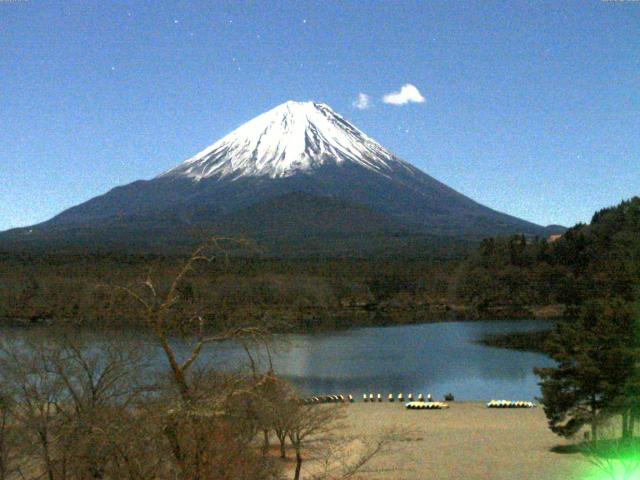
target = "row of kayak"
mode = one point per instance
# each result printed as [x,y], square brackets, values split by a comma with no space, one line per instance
[510,404]
[426,405]
[420,404]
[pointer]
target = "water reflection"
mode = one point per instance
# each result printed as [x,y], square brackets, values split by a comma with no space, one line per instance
[436,358]
[431,358]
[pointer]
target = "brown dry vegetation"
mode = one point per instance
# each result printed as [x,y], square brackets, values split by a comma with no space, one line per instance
[73,409]
[302,295]
[77,410]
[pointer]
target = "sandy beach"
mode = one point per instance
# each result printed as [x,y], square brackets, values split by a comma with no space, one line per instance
[467,441]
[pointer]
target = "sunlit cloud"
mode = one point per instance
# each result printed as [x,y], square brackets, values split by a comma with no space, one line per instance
[408,94]
[362,102]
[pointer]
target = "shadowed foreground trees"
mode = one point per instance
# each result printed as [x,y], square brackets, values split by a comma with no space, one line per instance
[71,397]
[90,407]
[596,381]
[7,436]
[597,343]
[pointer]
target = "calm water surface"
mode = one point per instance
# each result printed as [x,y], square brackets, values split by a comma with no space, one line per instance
[431,358]
[435,358]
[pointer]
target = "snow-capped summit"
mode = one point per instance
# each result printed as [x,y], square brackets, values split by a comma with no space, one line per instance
[290,138]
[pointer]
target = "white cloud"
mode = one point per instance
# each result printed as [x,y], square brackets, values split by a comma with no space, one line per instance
[407,94]
[362,102]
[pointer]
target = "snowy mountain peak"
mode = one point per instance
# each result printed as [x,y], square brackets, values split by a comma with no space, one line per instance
[294,137]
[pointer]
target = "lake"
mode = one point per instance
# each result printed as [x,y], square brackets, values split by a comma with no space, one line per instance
[436,358]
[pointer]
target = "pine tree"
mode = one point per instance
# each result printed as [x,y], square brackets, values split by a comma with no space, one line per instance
[597,354]
[626,400]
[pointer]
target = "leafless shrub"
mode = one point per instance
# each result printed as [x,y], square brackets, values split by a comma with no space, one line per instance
[27,372]
[348,457]
[71,396]
[8,460]
[310,427]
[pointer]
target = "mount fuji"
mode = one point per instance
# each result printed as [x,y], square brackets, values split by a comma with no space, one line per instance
[299,177]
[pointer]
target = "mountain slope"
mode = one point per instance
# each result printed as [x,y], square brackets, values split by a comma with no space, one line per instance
[294,149]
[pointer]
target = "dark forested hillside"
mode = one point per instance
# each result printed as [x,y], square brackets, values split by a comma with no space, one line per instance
[513,277]
[296,294]
[600,259]
[293,225]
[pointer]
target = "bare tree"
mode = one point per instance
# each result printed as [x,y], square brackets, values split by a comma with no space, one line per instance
[7,435]
[27,369]
[194,423]
[278,409]
[215,432]
[72,397]
[102,379]
[347,457]
[310,425]
[159,312]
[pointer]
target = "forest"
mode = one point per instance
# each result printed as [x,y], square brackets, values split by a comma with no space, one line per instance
[514,277]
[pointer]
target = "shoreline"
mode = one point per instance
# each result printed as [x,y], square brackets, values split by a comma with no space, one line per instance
[534,341]
[329,323]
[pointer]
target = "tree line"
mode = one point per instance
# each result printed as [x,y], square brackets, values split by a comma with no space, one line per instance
[513,277]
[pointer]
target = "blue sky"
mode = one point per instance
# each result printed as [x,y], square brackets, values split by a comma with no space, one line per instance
[532,108]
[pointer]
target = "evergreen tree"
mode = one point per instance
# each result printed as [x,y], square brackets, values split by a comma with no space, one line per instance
[626,400]
[597,355]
